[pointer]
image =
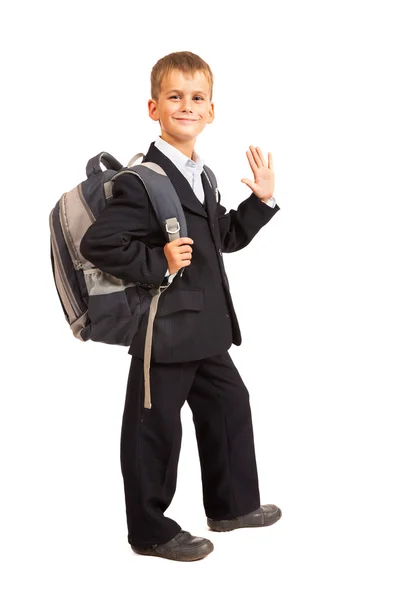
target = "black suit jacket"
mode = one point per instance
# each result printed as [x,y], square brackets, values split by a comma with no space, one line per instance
[195,316]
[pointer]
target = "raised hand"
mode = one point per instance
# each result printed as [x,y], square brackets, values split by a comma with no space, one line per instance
[264,178]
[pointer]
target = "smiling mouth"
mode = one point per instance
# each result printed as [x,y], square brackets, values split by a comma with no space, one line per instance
[182,119]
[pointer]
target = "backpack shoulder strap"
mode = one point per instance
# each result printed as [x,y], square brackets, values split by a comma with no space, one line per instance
[211,177]
[169,211]
[213,182]
[163,198]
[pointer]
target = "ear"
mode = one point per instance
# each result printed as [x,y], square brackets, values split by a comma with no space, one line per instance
[153,109]
[210,117]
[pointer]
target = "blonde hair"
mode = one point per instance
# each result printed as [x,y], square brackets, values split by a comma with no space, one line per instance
[187,62]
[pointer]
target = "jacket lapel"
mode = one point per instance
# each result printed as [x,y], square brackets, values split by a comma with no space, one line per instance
[185,193]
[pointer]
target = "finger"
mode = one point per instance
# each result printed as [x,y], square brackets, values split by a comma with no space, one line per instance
[249,183]
[183,249]
[270,163]
[185,256]
[180,255]
[256,157]
[251,161]
[260,154]
[184,240]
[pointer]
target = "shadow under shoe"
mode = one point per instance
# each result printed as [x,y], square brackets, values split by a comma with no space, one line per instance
[183,546]
[266,515]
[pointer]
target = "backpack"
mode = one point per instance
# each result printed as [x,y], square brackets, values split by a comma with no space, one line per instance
[97,305]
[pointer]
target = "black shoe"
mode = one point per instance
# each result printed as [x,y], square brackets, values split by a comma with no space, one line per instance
[183,546]
[267,514]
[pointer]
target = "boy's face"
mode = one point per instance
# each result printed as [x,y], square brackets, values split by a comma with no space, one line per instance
[182,96]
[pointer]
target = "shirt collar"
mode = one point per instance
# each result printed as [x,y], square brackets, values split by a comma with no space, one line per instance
[178,158]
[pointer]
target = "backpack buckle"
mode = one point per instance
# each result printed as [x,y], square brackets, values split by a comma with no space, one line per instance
[173,230]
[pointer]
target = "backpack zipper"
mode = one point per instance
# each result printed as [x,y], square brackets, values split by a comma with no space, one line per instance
[75,257]
[73,305]
[67,236]
[85,204]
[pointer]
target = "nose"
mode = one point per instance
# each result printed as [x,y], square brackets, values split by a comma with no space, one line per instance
[187,106]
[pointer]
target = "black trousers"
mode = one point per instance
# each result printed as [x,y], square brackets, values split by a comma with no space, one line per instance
[151,442]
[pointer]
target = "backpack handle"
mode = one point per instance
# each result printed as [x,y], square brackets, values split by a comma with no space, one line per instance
[93,166]
[133,159]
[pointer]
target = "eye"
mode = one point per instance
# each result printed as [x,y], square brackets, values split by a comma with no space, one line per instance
[176,96]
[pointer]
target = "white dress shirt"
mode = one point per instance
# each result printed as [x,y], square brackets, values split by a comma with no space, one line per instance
[191,169]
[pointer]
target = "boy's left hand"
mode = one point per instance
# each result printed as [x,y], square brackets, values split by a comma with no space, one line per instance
[264,178]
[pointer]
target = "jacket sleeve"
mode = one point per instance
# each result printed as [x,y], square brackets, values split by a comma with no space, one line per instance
[115,242]
[238,227]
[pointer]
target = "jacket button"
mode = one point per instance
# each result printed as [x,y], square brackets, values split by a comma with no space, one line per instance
[220,251]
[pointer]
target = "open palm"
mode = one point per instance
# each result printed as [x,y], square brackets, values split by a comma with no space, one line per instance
[264,178]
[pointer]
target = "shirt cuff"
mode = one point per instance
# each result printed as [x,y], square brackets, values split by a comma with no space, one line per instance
[270,202]
[170,277]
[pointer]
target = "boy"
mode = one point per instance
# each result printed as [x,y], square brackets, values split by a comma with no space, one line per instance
[195,324]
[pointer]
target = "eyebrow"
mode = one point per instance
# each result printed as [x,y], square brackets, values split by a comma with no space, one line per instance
[180,92]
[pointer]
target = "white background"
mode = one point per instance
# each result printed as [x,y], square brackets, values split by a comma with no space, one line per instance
[316,293]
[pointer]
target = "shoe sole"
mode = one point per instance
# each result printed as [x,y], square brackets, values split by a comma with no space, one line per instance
[201,552]
[222,526]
